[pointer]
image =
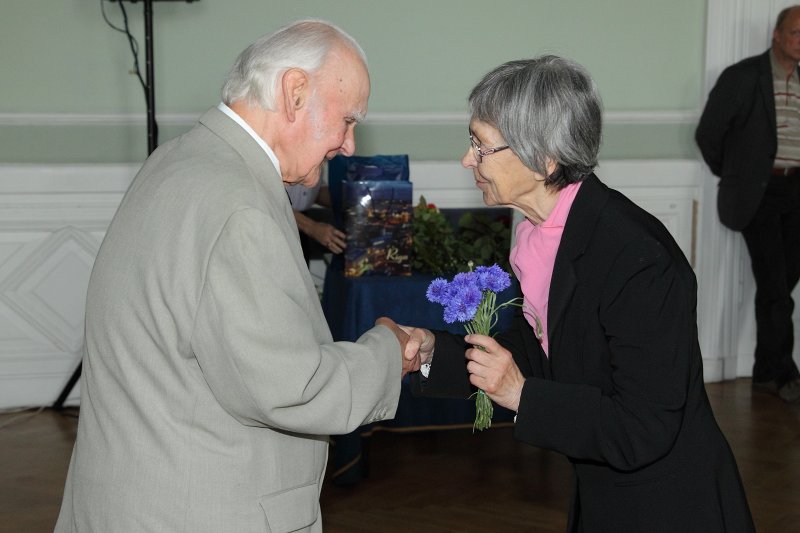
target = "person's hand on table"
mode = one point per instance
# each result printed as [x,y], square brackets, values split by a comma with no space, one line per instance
[328,236]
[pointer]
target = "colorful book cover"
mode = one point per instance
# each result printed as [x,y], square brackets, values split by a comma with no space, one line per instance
[378,224]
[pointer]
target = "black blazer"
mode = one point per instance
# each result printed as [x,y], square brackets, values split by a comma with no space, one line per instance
[737,136]
[622,393]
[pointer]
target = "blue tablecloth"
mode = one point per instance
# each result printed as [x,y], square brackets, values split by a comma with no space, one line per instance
[351,306]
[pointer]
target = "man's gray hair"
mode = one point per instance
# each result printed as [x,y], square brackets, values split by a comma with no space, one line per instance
[303,44]
[546,108]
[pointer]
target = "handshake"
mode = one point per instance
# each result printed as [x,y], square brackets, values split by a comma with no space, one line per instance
[416,344]
[491,367]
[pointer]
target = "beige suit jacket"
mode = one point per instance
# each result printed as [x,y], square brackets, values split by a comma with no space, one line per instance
[210,379]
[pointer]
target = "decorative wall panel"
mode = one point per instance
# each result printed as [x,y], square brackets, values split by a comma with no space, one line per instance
[52,221]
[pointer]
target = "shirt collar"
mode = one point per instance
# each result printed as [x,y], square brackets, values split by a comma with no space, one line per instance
[777,68]
[240,121]
[558,216]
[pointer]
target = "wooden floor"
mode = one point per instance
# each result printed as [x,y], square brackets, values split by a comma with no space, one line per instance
[442,481]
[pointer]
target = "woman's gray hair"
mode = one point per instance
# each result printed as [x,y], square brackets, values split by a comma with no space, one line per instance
[546,108]
[303,44]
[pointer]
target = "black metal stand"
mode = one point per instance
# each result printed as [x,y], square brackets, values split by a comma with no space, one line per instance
[152,127]
[59,403]
[152,143]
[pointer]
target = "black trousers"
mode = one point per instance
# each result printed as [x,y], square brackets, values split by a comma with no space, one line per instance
[773,240]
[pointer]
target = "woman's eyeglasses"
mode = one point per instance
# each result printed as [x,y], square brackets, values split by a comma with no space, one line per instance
[481,152]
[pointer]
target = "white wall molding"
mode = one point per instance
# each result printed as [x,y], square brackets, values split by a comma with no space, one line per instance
[53,218]
[60,179]
[380,118]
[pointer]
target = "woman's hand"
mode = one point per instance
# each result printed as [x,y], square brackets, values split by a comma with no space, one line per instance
[492,369]
[422,341]
[416,344]
[419,344]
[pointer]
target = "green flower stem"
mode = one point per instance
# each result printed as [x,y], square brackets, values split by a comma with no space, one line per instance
[482,323]
[483,411]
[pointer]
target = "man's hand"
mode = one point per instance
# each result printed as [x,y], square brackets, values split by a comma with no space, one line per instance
[492,368]
[410,356]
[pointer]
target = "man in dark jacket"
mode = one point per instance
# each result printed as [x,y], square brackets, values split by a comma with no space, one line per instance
[749,134]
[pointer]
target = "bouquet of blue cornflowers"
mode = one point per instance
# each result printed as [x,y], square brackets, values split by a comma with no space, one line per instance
[471,297]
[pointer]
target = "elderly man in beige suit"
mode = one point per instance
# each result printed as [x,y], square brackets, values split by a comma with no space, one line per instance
[210,379]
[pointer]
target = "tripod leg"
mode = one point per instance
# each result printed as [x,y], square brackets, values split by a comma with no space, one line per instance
[59,404]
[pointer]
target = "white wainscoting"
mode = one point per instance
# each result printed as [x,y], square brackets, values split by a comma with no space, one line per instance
[53,218]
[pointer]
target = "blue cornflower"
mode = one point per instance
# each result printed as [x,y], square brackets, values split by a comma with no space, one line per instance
[492,278]
[437,291]
[450,314]
[464,279]
[470,297]
[463,304]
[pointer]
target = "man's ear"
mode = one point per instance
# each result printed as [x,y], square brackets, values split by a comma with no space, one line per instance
[294,84]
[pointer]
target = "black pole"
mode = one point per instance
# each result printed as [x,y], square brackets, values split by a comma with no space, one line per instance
[152,143]
[59,404]
[152,131]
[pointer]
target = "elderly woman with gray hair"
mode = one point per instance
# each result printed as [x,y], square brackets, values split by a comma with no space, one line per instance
[614,380]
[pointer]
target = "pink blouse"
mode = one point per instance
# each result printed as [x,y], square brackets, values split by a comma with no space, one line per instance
[533,257]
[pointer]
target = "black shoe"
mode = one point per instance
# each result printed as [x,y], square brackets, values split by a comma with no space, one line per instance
[788,392]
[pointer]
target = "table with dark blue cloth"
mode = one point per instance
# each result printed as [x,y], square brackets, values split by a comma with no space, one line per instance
[351,306]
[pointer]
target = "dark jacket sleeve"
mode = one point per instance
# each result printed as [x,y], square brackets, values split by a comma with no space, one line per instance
[725,103]
[449,378]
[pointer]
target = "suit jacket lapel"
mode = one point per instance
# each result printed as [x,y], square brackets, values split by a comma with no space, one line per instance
[578,230]
[263,170]
[254,156]
[767,89]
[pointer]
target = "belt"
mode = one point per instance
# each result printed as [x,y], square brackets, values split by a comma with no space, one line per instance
[785,171]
